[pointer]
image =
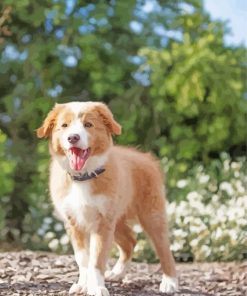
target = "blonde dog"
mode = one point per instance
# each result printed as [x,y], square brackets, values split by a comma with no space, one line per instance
[100,190]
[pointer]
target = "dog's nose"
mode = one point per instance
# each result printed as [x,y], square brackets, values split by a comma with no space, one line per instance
[73,138]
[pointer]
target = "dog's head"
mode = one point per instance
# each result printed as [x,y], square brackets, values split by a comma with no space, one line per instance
[79,131]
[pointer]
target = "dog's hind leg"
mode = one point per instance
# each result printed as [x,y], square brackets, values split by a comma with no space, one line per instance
[156,226]
[125,240]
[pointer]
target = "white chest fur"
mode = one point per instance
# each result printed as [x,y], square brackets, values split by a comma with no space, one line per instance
[82,206]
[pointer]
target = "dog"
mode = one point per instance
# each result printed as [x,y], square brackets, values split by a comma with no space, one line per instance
[100,190]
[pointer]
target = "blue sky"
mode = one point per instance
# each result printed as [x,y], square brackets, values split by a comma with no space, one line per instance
[235,11]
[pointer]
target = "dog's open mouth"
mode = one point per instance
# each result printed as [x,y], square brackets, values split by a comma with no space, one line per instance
[78,157]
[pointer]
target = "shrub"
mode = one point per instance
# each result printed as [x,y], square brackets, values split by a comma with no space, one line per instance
[210,224]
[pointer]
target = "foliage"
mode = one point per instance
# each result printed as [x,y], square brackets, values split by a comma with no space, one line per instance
[162,66]
[210,223]
[194,104]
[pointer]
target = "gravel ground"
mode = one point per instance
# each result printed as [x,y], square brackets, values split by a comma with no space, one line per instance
[35,273]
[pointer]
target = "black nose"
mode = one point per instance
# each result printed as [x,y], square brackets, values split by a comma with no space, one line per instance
[73,138]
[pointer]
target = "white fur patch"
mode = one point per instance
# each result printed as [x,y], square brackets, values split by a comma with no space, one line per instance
[75,128]
[118,271]
[82,205]
[96,161]
[168,284]
[78,289]
[81,258]
[78,107]
[96,283]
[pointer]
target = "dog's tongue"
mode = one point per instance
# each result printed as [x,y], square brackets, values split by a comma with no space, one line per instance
[77,158]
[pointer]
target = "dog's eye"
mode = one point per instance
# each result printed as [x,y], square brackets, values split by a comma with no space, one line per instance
[64,125]
[88,124]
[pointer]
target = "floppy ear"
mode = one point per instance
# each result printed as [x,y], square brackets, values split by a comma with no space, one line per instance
[107,116]
[45,130]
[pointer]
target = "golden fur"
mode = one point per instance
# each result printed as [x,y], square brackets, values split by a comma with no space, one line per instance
[130,190]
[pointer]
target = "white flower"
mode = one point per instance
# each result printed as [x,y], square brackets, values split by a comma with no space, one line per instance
[242,201]
[226,165]
[215,198]
[220,214]
[226,186]
[194,229]
[240,212]
[49,235]
[138,247]
[242,222]
[48,220]
[171,208]
[179,233]
[58,226]
[206,250]
[182,208]
[233,235]
[199,206]
[188,219]
[222,248]
[192,196]
[41,232]
[235,165]
[240,187]
[212,187]
[204,179]
[137,228]
[236,174]
[176,246]
[231,215]
[53,244]
[194,242]
[218,233]
[64,240]
[182,183]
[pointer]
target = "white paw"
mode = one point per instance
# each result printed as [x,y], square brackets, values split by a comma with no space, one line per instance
[110,275]
[96,283]
[118,271]
[98,291]
[168,284]
[77,289]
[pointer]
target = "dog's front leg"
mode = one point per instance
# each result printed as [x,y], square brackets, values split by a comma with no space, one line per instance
[100,244]
[79,240]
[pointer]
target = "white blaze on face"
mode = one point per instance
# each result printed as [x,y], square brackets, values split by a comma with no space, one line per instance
[76,127]
[77,153]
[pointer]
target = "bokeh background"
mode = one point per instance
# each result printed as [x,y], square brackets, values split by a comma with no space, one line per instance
[174,77]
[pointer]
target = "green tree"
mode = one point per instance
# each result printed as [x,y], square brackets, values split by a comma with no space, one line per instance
[197,87]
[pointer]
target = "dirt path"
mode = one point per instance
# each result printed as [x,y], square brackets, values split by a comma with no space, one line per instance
[30,273]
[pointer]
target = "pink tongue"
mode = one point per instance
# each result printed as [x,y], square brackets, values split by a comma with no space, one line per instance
[77,158]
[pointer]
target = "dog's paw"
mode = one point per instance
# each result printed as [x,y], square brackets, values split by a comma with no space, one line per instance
[168,284]
[110,275]
[118,272]
[98,291]
[78,289]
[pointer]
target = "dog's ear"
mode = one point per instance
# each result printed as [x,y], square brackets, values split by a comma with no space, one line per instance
[113,127]
[45,130]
